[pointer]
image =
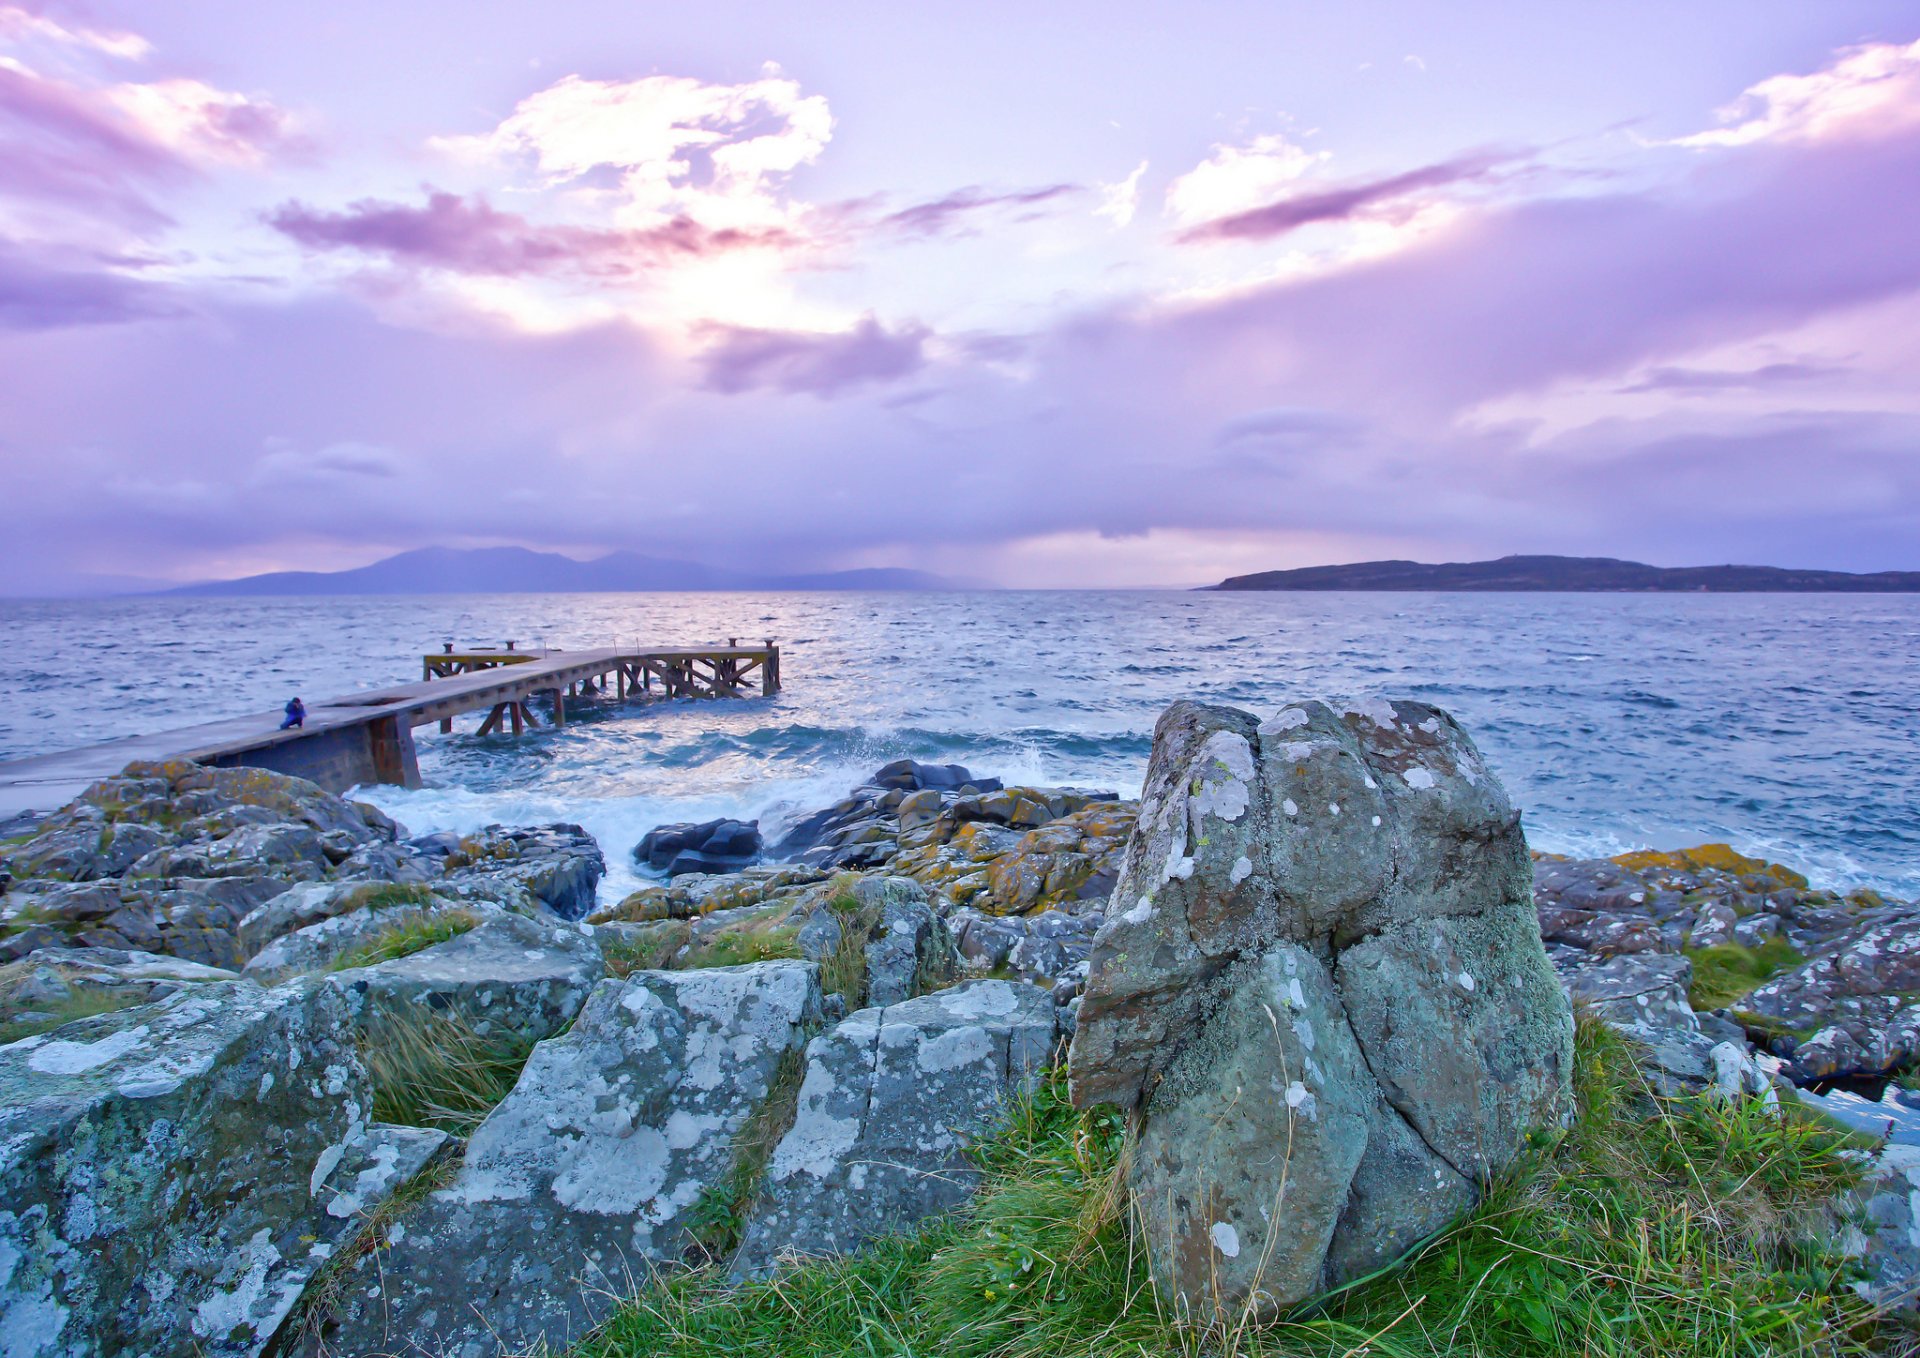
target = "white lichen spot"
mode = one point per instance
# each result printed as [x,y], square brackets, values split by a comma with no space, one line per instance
[1333,808]
[1466,980]
[1223,789]
[1418,777]
[1289,807]
[1637,897]
[1366,780]
[1286,719]
[1376,822]
[1376,710]
[1242,869]
[1301,1100]
[76,1058]
[1226,1239]
[1299,749]
[1140,913]
[1295,996]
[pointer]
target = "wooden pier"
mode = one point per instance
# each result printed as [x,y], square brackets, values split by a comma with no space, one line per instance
[368,737]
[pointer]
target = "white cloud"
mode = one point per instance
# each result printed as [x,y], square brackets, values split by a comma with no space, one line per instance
[19,24]
[718,153]
[1236,178]
[1871,89]
[1119,201]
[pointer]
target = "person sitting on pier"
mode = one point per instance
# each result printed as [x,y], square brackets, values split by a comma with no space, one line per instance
[296,715]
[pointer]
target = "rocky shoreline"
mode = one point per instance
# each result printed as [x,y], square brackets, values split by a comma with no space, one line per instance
[209,979]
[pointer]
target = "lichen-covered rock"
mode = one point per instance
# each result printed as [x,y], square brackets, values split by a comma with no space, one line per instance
[589,1172]
[903,943]
[1852,1008]
[510,974]
[311,902]
[192,918]
[165,1172]
[539,869]
[1366,870]
[700,894]
[53,980]
[323,944]
[892,1097]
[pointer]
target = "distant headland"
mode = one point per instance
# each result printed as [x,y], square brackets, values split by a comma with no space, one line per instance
[517,570]
[1574,573]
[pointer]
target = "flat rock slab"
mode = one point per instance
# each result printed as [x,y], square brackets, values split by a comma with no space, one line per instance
[590,1170]
[511,973]
[165,1171]
[891,1099]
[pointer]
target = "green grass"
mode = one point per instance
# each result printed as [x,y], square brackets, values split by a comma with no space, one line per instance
[435,1069]
[1683,1229]
[844,970]
[1727,971]
[761,939]
[408,936]
[651,948]
[30,1020]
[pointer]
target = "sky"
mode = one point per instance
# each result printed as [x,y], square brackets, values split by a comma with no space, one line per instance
[1063,295]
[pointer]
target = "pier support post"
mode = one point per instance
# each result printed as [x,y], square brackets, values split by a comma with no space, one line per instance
[395,761]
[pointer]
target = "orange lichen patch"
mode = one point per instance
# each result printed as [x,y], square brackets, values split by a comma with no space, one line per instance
[1709,858]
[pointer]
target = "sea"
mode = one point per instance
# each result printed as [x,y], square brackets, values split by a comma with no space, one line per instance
[1785,725]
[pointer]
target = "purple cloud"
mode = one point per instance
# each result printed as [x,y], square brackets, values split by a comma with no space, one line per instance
[45,290]
[1353,200]
[471,236]
[821,365]
[941,215]
[1703,380]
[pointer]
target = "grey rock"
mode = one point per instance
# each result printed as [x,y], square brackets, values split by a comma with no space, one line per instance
[550,868]
[52,976]
[509,974]
[1888,1203]
[165,1171]
[891,1100]
[1366,870]
[1861,986]
[589,1172]
[321,945]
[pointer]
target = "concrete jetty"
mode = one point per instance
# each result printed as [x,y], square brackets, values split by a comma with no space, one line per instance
[368,737]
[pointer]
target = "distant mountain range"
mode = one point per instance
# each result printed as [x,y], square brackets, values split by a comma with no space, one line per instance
[516,570]
[1574,573]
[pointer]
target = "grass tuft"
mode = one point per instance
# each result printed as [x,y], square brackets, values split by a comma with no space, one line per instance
[435,1069]
[720,1216]
[844,970]
[1682,1228]
[406,937]
[22,1020]
[1728,971]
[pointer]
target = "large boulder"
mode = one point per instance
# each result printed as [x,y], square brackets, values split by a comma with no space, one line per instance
[1320,972]
[706,847]
[891,1099]
[168,1173]
[589,1173]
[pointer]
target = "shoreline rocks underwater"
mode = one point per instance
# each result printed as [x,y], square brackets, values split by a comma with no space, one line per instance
[277,1077]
